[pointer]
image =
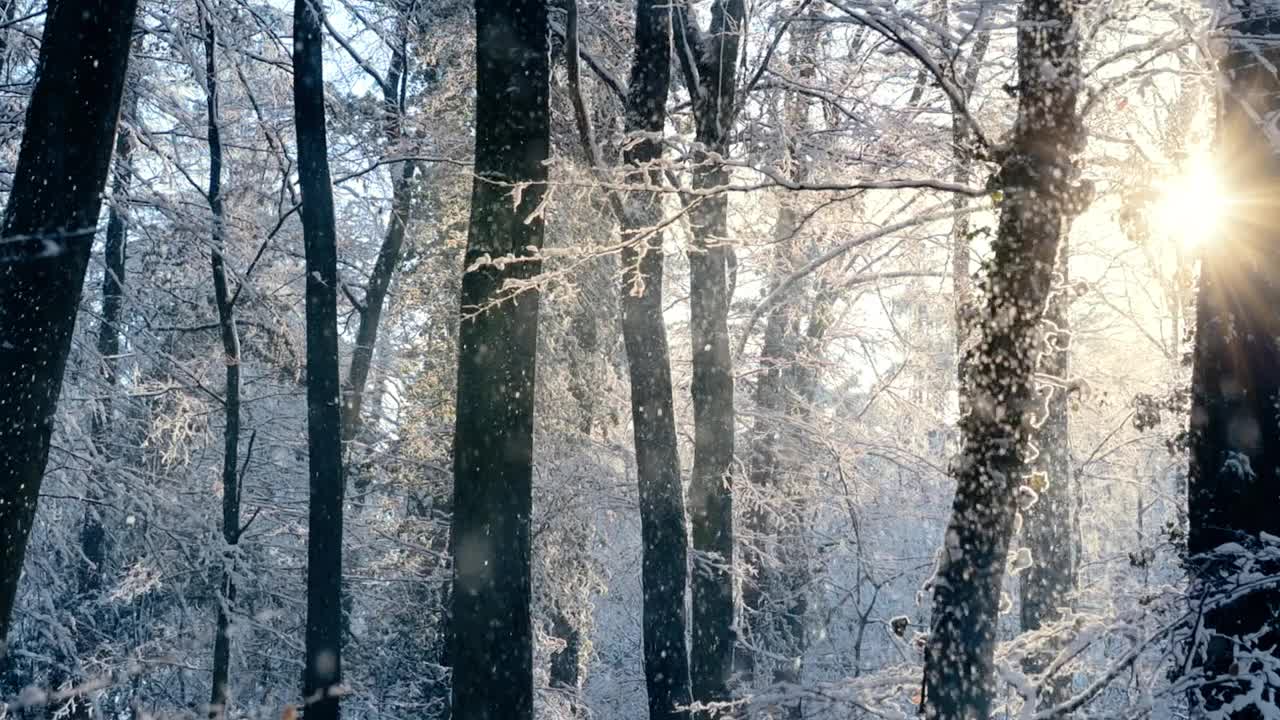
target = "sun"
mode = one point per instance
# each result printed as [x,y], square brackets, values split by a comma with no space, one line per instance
[1190,207]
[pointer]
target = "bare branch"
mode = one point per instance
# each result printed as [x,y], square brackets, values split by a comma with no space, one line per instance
[611,82]
[784,286]
[369,69]
[954,94]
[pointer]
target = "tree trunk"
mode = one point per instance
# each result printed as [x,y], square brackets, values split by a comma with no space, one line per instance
[776,603]
[220,694]
[710,67]
[322,676]
[491,633]
[780,592]
[388,254]
[664,538]
[962,139]
[788,584]
[47,234]
[92,534]
[374,299]
[1036,176]
[93,537]
[711,486]
[761,520]
[1048,522]
[377,288]
[1235,449]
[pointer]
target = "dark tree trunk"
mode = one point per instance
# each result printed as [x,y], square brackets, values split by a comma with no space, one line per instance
[664,573]
[1048,523]
[375,297]
[378,286]
[1036,176]
[1235,448]
[220,695]
[710,65]
[388,254]
[47,234]
[92,534]
[800,379]
[777,602]
[711,486]
[962,139]
[761,521]
[322,676]
[491,635]
[773,602]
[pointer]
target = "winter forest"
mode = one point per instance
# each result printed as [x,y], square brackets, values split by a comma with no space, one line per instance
[666,359]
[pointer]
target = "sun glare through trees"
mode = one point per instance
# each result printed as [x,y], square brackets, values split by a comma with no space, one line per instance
[1192,205]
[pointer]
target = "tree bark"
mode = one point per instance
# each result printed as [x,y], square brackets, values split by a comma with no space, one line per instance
[757,588]
[92,534]
[664,572]
[47,234]
[491,634]
[1036,175]
[710,64]
[389,253]
[773,602]
[378,285]
[220,694]
[322,676]
[1235,448]
[962,138]
[1047,533]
